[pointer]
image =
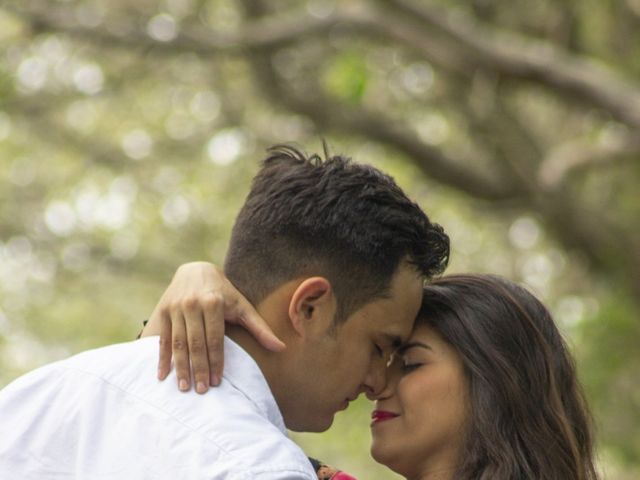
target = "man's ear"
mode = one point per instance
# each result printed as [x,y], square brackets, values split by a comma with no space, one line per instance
[312,305]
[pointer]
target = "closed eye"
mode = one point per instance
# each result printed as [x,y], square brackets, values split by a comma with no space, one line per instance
[410,367]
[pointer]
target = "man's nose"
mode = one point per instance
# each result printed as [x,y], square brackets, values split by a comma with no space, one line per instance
[376,381]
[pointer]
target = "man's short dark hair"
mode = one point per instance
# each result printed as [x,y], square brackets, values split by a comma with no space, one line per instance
[347,222]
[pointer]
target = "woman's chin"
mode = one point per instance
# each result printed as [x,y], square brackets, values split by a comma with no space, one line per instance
[384,457]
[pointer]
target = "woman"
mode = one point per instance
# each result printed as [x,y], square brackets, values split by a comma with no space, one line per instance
[484,389]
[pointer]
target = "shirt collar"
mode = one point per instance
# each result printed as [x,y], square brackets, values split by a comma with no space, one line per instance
[242,371]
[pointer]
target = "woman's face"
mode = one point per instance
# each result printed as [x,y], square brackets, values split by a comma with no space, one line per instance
[419,419]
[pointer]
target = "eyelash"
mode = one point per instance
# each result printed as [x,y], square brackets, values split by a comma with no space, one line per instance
[410,367]
[379,350]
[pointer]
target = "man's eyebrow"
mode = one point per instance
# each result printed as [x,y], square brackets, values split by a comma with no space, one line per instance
[407,346]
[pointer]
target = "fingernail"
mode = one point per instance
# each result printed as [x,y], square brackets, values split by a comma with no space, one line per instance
[201,387]
[215,379]
[184,386]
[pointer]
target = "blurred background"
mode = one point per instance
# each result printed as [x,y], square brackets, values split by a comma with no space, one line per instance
[129,131]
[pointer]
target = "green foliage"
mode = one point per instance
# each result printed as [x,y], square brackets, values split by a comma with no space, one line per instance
[347,76]
[608,346]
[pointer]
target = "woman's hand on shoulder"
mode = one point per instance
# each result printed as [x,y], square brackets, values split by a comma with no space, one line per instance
[190,319]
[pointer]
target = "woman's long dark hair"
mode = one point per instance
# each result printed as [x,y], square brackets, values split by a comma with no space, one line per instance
[528,418]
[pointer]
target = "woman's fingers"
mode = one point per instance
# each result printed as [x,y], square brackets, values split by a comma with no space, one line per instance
[213,307]
[190,319]
[260,330]
[164,361]
[180,350]
[238,310]
[197,343]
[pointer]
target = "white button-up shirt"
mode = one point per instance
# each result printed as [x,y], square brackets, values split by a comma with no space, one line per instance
[102,415]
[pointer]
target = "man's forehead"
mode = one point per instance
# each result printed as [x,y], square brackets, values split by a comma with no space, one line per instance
[395,314]
[390,324]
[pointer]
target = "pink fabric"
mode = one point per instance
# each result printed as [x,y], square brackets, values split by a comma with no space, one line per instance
[342,476]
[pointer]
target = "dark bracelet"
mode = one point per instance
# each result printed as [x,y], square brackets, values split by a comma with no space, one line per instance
[144,324]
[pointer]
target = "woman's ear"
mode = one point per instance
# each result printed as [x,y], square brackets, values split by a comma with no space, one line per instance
[312,306]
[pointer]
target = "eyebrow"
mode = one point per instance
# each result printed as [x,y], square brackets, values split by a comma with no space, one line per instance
[411,345]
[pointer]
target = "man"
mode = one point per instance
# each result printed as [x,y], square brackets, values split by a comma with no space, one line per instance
[333,255]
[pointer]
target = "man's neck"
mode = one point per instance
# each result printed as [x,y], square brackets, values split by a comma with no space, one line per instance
[271,364]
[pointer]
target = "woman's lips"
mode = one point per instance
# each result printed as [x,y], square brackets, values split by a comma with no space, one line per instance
[382,415]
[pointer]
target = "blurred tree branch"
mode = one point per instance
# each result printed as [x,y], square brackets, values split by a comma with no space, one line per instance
[603,242]
[572,157]
[529,174]
[418,27]
[515,56]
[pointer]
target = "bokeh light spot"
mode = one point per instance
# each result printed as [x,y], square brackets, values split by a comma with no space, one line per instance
[226,146]
[60,218]
[162,28]
[137,144]
[524,233]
